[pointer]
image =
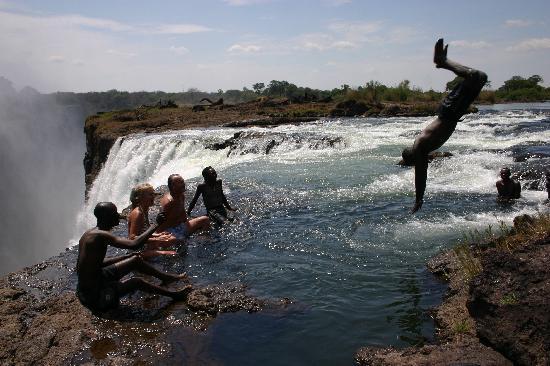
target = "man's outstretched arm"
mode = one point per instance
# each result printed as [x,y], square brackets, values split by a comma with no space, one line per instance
[138,242]
[194,200]
[420,176]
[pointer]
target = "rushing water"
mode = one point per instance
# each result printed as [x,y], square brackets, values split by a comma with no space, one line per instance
[323,220]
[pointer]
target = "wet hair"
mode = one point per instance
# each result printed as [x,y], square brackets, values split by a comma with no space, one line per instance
[103,210]
[408,156]
[171,179]
[138,191]
[206,170]
[506,169]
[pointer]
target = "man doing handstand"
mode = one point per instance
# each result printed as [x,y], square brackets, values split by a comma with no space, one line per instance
[453,107]
[99,279]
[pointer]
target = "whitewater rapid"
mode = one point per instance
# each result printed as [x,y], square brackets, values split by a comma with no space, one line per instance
[479,146]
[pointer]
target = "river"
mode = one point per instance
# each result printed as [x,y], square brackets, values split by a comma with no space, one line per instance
[323,219]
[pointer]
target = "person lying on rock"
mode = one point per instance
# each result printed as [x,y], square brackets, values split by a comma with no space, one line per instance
[173,205]
[451,109]
[507,187]
[100,283]
[142,198]
[213,197]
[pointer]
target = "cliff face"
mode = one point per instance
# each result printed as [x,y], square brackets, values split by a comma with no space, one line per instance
[102,130]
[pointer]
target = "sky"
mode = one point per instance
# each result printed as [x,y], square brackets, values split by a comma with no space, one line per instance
[175,45]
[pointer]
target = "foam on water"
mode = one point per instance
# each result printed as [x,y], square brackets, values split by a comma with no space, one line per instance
[477,146]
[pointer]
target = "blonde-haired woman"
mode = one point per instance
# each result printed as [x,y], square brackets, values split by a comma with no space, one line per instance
[142,198]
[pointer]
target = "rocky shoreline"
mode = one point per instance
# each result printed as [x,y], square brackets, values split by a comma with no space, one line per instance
[43,322]
[495,311]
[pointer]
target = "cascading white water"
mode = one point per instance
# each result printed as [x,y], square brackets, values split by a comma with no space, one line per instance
[477,145]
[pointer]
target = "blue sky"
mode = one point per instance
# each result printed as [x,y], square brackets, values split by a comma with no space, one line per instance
[228,44]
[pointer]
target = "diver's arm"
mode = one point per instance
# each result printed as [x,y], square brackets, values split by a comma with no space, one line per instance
[420,176]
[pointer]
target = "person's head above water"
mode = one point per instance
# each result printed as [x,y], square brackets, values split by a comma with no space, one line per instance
[209,174]
[107,215]
[408,156]
[142,194]
[176,184]
[505,173]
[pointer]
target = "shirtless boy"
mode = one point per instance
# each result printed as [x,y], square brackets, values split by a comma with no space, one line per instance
[213,197]
[173,205]
[453,107]
[99,279]
[507,187]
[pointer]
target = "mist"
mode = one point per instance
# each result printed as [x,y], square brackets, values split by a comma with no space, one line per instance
[42,187]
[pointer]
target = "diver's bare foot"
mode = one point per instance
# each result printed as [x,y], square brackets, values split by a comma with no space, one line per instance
[182,293]
[440,53]
[174,278]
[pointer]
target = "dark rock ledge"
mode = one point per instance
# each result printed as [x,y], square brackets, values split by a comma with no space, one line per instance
[43,322]
[499,317]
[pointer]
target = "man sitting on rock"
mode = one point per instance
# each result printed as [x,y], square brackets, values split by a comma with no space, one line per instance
[99,279]
[453,107]
[507,187]
[173,205]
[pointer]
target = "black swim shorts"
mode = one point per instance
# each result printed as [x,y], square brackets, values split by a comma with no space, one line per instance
[457,102]
[104,296]
[218,215]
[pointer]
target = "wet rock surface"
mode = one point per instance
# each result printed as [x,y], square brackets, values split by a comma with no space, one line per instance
[43,322]
[251,142]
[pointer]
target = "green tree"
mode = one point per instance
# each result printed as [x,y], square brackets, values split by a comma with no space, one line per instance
[258,88]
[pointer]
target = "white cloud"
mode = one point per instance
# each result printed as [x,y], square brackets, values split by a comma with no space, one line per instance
[470,44]
[98,23]
[402,34]
[343,45]
[531,45]
[320,42]
[355,29]
[336,2]
[516,23]
[244,2]
[178,29]
[56,59]
[121,53]
[179,50]
[244,48]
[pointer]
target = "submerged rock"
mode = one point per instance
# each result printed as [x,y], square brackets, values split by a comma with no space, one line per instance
[252,142]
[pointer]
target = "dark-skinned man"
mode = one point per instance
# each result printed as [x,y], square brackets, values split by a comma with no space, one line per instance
[100,283]
[452,108]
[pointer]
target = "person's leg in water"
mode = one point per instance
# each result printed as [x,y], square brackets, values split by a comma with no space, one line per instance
[138,283]
[196,224]
[137,264]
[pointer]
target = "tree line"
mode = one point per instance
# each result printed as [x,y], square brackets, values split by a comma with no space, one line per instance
[516,89]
